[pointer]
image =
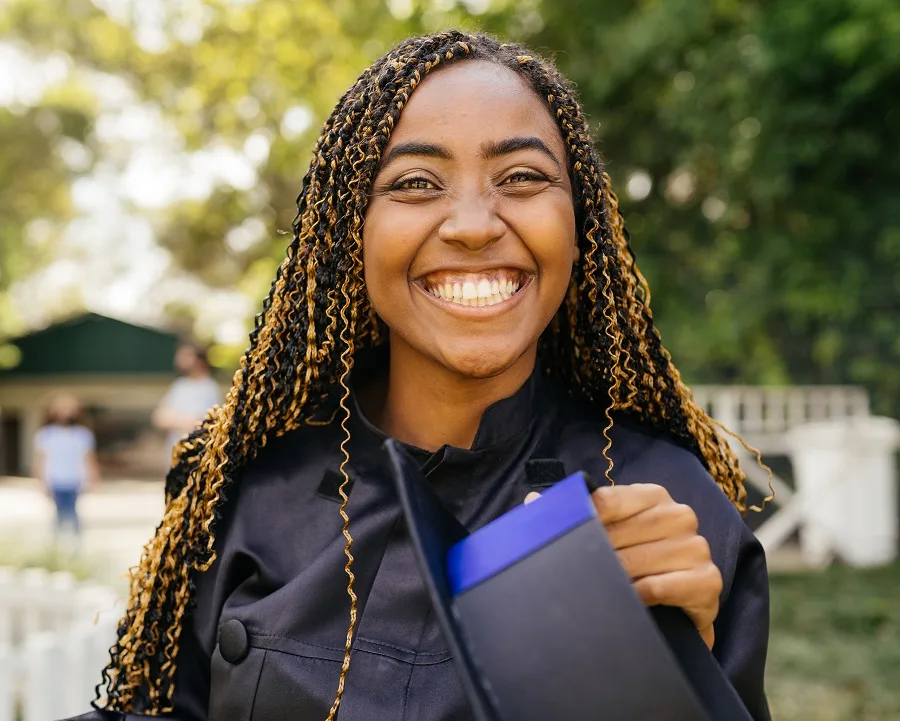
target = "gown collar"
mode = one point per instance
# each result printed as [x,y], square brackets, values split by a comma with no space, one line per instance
[502,423]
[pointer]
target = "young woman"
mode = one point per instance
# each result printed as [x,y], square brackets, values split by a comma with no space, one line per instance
[460,279]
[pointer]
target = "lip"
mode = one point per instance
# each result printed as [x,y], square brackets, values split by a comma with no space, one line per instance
[473,312]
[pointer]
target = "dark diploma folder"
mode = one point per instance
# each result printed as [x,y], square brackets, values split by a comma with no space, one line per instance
[543,622]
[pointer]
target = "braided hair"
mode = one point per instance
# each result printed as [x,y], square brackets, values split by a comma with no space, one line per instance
[317,316]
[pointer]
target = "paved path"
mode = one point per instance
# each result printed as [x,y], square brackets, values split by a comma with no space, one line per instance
[117,521]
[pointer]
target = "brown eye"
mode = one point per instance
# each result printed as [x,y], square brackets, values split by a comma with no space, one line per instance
[524,177]
[413,184]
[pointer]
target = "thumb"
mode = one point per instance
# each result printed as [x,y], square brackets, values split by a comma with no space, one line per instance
[533,496]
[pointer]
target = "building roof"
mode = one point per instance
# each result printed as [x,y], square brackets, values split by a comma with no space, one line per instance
[93,344]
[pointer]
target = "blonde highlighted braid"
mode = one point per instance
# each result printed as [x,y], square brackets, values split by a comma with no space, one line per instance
[317,316]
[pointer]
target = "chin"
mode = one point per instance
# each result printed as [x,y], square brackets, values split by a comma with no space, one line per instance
[480,365]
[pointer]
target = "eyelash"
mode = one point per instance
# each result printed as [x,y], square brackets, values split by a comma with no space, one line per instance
[525,175]
[404,184]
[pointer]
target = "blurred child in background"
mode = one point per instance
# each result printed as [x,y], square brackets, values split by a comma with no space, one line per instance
[66,459]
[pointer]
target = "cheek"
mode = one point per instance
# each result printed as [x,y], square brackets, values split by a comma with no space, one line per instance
[549,233]
[387,253]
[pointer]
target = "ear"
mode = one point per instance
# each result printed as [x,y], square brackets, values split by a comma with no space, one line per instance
[576,251]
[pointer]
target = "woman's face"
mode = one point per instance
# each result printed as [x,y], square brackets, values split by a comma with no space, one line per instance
[470,238]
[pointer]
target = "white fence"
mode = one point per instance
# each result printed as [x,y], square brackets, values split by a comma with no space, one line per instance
[844,497]
[55,635]
[764,413]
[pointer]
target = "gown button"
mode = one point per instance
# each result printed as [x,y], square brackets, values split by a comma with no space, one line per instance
[233,642]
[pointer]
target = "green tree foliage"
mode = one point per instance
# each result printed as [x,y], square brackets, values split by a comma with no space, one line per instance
[34,191]
[772,234]
[753,143]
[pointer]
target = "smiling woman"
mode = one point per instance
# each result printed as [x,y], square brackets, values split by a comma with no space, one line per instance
[469,243]
[460,280]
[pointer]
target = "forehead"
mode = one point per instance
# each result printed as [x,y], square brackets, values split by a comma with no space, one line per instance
[474,100]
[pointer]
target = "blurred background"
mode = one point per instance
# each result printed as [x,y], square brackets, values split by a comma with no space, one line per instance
[150,156]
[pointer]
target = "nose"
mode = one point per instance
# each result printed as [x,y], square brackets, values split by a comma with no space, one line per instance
[473,223]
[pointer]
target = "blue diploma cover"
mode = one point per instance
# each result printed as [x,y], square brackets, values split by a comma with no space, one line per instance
[543,622]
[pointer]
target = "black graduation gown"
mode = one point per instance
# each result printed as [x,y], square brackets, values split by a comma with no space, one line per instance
[266,638]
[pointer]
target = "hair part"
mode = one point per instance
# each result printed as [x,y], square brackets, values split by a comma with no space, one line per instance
[602,343]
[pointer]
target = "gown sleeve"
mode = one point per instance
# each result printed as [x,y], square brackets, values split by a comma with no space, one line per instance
[742,627]
[200,624]
[190,698]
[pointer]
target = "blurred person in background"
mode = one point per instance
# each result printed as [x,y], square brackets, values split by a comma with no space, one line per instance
[189,397]
[66,459]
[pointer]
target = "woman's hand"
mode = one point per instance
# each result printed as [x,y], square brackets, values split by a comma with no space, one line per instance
[657,542]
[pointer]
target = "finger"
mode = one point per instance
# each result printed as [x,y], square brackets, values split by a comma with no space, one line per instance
[615,503]
[695,591]
[666,520]
[665,556]
[531,497]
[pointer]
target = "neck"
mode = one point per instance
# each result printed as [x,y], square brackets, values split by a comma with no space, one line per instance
[427,406]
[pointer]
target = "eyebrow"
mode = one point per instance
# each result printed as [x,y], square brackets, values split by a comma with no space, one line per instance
[489,151]
[427,150]
[513,145]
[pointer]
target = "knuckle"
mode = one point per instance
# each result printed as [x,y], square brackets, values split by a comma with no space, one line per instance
[654,591]
[687,517]
[716,576]
[699,546]
[604,496]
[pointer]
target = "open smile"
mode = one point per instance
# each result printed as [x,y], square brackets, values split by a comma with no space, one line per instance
[483,289]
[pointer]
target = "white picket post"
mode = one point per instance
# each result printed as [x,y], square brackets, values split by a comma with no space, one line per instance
[55,636]
[75,689]
[33,585]
[7,603]
[41,656]
[58,601]
[7,673]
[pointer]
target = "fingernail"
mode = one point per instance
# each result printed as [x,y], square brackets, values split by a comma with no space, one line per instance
[533,496]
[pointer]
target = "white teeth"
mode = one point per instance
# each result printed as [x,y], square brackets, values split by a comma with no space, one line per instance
[469,293]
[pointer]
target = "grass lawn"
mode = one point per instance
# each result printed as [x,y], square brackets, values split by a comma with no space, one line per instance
[834,653]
